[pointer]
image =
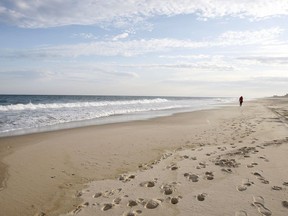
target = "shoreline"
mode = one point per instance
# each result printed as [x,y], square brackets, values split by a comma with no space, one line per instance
[54,113]
[110,120]
[63,162]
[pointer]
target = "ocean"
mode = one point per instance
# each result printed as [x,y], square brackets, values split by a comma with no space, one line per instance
[24,114]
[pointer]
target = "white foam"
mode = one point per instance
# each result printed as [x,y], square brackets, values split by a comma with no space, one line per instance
[32,106]
[37,116]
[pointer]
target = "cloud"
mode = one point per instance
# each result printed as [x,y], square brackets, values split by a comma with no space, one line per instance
[255,81]
[250,37]
[88,36]
[73,73]
[118,74]
[120,36]
[25,74]
[204,66]
[142,46]
[283,60]
[207,80]
[52,13]
[201,56]
[271,79]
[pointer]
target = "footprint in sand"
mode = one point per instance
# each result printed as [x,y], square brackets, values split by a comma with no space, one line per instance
[117,200]
[201,197]
[174,200]
[80,207]
[227,170]
[252,165]
[260,177]
[125,178]
[168,189]
[185,157]
[245,184]
[107,193]
[241,188]
[241,213]
[258,202]
[148,184]
[222,148]
[254,152]
[107,206]
[172,166]
[209,175]
[263,158]
[277,188]
[152,204]
[285,204]
[201,165]
[145,167]
[132,203]
[40,214]
[78,194]
[226,163]
[166,155]
[261,147]
[191,177]
[132,213]
[99,194]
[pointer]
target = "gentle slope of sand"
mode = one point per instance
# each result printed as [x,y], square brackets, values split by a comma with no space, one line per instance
[228,161]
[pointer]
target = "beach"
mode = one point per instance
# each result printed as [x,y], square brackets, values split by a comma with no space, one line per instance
[228,160]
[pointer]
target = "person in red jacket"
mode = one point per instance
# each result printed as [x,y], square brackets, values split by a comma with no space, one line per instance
[241,100]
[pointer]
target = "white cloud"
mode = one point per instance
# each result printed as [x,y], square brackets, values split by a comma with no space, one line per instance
[118,74]
[88,36]
[276,60]
[272,79]
[138,47]
[120,36]
[200,66]
[51,13]
[201,56]
[230,80]
[80,73]
[251,37]
[31,74]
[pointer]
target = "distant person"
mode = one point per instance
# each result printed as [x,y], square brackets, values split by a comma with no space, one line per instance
[241,100]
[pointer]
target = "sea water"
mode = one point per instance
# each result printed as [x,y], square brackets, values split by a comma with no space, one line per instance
[23,114]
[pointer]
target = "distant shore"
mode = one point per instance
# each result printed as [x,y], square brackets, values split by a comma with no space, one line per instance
[210,162]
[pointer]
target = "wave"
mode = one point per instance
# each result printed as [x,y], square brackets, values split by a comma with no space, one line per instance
[62,118]
[31,106]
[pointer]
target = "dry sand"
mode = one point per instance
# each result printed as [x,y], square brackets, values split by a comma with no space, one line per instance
[226,161]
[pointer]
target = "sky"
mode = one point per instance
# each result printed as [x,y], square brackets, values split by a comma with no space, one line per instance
[144,47]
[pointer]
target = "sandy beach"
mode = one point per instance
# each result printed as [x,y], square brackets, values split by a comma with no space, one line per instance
[226,161]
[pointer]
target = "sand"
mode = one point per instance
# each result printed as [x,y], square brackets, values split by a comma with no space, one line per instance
[225,161]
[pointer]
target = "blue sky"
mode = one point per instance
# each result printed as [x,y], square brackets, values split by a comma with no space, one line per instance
[144,47]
